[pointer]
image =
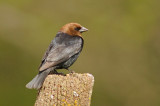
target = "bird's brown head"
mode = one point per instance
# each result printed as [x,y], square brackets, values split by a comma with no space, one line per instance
[73,29]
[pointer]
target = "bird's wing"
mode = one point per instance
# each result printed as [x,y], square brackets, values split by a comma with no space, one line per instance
[61,53]
[46,53]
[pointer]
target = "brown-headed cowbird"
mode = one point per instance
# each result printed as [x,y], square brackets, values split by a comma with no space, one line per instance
[61,53]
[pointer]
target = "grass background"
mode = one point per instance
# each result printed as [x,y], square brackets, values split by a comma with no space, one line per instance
[121,47]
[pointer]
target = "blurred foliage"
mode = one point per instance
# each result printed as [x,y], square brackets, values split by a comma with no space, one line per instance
[121,47]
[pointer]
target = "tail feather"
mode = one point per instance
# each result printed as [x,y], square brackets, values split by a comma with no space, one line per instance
[38,80]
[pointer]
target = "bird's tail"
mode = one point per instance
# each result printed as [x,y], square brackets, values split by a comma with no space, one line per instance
[38,80]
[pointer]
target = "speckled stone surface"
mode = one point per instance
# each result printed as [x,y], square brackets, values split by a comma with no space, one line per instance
[70,90]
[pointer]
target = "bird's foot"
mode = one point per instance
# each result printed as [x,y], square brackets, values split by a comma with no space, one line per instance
[71,71]
[55,72]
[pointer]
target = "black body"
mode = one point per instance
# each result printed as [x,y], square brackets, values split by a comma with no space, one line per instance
[65,48]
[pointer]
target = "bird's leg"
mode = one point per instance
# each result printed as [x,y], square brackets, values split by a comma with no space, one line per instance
[71,71]
[55,71]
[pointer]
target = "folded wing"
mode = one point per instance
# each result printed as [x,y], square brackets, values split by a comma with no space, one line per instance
[60,52]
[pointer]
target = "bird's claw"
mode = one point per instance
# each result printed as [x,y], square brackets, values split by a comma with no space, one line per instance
[55,72]
[71,71]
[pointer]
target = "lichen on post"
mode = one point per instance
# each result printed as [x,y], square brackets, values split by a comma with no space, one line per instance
[70,90]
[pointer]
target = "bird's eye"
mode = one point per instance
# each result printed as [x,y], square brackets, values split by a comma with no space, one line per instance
[77,28]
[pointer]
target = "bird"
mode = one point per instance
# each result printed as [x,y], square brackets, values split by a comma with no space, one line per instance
[62,52]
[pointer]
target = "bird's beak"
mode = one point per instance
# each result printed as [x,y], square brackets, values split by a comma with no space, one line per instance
[83,29]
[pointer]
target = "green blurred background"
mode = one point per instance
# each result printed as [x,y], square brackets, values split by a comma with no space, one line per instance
[122,47]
